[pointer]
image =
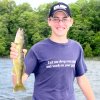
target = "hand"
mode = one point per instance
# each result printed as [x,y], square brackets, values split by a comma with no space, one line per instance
[14,52]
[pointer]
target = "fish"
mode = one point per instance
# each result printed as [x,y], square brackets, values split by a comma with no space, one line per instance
[18,63]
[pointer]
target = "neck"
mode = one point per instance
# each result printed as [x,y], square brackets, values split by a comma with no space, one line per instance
[59,39]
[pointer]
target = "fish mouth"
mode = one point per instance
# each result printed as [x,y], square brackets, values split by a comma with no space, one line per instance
[20,32]
[19,36]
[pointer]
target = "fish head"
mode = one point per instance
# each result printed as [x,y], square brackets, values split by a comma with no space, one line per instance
[19,39]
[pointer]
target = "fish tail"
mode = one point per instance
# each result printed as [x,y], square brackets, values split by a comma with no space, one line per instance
[19,87]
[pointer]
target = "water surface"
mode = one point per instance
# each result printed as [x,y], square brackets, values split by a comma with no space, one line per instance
[6,90]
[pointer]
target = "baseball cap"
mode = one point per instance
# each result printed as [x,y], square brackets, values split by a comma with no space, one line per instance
[60,6]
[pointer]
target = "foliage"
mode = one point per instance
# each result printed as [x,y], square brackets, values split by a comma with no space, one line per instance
[86,27]
[88,50]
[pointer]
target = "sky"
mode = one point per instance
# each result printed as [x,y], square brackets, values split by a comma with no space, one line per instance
[36,3]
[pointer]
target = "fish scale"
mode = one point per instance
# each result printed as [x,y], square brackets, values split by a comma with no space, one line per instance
[18,63]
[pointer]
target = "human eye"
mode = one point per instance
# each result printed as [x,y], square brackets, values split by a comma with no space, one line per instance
[65,19]
[56,19]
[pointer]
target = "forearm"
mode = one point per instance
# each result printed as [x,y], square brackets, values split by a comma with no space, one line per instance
[14,78]
[85,87]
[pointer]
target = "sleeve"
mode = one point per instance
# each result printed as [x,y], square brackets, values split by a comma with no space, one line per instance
[30,62]
[80,67]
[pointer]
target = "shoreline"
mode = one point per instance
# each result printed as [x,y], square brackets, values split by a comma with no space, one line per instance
[92,58]
[86,58]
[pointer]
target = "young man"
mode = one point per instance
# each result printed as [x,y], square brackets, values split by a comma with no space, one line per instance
[56,61]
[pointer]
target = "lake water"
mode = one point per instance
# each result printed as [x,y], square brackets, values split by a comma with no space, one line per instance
[6,87]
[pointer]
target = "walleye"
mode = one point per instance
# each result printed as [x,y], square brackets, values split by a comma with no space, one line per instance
[18,68]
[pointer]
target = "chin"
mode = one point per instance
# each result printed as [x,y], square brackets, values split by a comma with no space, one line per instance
[60,35]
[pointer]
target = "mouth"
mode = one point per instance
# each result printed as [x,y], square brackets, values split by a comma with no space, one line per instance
[60,28]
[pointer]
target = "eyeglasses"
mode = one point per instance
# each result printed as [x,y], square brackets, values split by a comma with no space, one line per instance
[57,20]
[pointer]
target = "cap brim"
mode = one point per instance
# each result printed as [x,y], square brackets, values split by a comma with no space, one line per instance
[60,11]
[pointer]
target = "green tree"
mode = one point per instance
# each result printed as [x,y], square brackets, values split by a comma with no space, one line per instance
[88,50]
[96,44]
[86,27]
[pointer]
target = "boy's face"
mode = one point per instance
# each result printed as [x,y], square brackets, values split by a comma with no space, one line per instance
[60,23]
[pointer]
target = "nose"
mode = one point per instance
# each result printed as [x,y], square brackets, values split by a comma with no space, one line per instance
[60,22]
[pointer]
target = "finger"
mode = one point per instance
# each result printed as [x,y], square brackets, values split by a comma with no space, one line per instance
[13,51]
[13,44]
[25,51]
[13,55]
[13,47]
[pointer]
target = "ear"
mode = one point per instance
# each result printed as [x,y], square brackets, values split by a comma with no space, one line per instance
[49,22]
[71,22]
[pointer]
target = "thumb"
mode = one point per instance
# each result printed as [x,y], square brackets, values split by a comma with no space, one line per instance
[24,51]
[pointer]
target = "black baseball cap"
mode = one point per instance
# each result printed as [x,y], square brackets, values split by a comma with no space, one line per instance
[60,6]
